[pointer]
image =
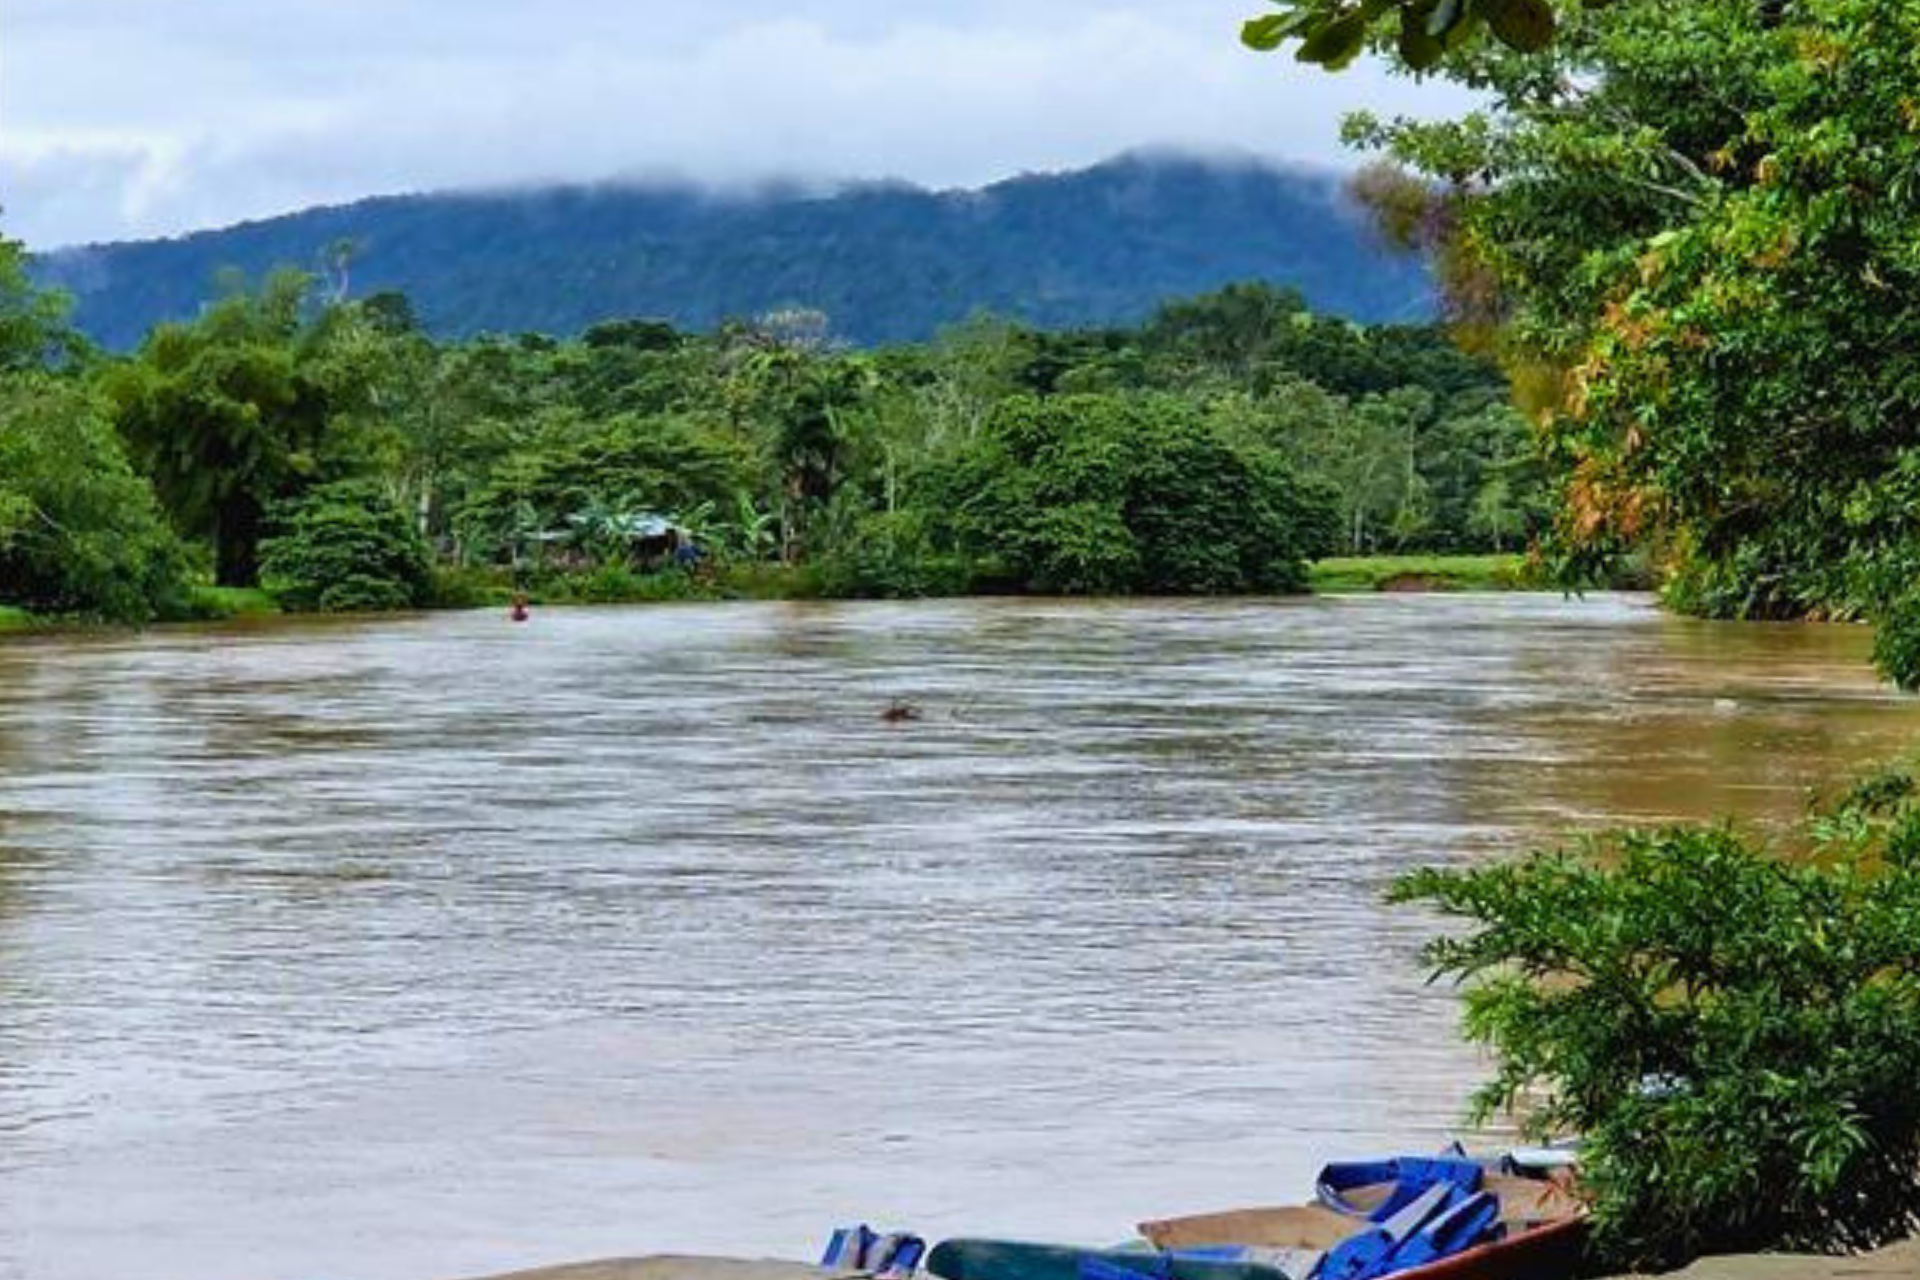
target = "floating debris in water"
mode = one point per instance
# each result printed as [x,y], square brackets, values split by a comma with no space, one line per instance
[900,711]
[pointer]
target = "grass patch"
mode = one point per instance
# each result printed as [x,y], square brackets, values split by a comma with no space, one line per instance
[215,603]
[1347,574]
[13,619]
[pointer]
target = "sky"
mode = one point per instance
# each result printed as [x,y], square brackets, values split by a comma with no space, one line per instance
[132,118]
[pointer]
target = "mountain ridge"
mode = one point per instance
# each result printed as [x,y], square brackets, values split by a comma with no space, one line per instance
[887,261]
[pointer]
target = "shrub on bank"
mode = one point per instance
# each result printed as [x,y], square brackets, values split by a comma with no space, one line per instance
[466,587]
[892,557]
[346,548]
[1110,494]
[206,603]
[1896,641]
[1735,1035]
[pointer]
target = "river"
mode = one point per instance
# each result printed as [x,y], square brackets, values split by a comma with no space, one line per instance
[396,949]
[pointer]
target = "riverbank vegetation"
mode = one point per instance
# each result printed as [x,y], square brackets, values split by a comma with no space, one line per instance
[328,452]
[1687,232]
[1504,572]
[1735,1034]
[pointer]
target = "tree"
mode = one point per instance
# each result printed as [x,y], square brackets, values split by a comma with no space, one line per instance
[79,530]
[233,412]
[80,533]
[803,396]
[1127,494]
[572,466]
[345,547]
[1495,516]
[1701,273]
[1369,456]
[965,371]
[1485,479]
[1235,330]
[34,331]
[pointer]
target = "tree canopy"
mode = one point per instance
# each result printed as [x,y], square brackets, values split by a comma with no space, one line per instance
[1422,33]
[80,532]
[1700,272]
[236,411]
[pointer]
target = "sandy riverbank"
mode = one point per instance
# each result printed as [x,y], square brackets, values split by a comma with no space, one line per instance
[1901,1262]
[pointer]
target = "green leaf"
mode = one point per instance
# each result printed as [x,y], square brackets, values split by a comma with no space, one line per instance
[1444,16]
[1337,43]
[1269,33]
[1419,47]
[1265,34]
[1526,25]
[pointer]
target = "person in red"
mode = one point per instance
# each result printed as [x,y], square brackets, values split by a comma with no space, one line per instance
[518,613]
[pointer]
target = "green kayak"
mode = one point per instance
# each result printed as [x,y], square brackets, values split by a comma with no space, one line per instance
[1013,1260]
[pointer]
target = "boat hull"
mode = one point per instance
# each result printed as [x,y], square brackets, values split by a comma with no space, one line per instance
[1020,1260]
[1546,1252]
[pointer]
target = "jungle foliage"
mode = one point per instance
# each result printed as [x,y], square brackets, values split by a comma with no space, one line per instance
[1700,270]
[1107,494]
[80,531]
[1734,1033]
[332,451]
[345,547]
[1688,232]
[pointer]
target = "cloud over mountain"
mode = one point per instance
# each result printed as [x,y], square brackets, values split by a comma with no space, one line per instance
[125,117]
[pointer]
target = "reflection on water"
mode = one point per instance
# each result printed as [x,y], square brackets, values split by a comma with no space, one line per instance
[433,946]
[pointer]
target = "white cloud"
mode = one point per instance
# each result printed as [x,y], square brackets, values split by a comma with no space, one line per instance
[131,117]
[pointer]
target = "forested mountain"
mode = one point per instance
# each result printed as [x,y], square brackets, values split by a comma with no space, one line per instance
[884,262]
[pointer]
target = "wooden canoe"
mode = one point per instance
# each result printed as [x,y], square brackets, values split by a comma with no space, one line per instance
[1544,1239]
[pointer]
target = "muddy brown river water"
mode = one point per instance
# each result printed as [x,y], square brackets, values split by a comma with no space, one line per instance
[431,946]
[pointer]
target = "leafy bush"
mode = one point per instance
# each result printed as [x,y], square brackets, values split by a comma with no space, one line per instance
[346,547]
[453,587]
[80,532]
[761,581]
[1098,493]
[615,583]
[1896,641]
[219,604]
[1735,1036]
[891,556]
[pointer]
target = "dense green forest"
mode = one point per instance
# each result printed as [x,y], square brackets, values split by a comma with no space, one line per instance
[889,263]
[335,453]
